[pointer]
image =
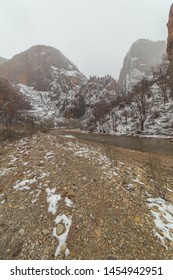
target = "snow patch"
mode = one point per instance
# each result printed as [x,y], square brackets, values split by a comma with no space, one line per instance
[49,155]
[89,153]
[2,200]
[162,213]
[63,237]
[68,136]
[36,196]
[4,171]
[138,181]
[24,185]
[53,200]
[68,202]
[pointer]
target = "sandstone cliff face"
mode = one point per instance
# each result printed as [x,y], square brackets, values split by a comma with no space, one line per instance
[142,55]
[170,35]
[38,66]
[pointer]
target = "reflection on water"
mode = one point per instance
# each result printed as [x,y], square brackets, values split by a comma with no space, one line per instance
[161,146]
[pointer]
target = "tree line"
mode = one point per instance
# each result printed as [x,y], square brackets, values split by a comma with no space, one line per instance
[13,106]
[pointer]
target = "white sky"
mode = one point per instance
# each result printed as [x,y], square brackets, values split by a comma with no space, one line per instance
[94,34]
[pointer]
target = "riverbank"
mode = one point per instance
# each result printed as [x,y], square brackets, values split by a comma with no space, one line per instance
[159,146]
[66,198]
[140,135]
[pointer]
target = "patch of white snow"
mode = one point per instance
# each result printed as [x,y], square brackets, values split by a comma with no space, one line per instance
[63,237]
[68,202]
[162,213]
[24,185]
[53,200]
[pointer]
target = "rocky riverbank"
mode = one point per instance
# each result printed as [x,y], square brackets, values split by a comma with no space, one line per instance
[63,198]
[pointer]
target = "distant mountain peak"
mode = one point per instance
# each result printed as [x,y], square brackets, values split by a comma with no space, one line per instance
[36,67]
[142,55]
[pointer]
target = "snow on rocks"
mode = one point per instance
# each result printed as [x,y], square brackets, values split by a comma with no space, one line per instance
[68,136]
[42,106]
[48,155]
[53,200]
[162,213]
[68,202]
[138,181]
[60,232]
[4,171]
[24,184]
[36,196]
[86,151]
[2,199]
[63,236]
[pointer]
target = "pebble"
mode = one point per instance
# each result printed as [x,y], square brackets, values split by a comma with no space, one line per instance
[98,233]
[32,245]
[21,231]
[45,231]
[63,248]
[84,178]
[116,221]
[59,229]
[137,219]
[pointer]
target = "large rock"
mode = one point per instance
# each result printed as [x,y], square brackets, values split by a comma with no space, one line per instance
[142,56]
[170,35]
[39,67]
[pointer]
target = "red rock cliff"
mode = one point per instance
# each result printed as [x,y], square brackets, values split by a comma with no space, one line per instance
[170,35]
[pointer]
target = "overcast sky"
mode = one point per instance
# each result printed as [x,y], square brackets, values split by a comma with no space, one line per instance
[94,34]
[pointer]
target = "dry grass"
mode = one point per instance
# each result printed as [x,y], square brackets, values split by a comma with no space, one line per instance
[15,133]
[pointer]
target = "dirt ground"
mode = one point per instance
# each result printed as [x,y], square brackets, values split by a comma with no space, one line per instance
[63,198]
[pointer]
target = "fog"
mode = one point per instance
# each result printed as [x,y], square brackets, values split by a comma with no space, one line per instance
[94,34]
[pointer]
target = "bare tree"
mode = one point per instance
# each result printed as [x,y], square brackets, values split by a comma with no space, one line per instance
[12,103]
[141,101]
[161,78]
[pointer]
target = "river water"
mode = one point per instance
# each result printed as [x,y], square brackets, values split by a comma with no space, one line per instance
[150,145]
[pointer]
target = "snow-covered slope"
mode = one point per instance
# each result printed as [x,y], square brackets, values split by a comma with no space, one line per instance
[99,97]
[61,95]
[43,108]
[124,120]
[47,79]
[126,117]
[94,98]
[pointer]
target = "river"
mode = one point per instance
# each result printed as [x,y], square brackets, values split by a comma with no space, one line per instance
[150,145]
